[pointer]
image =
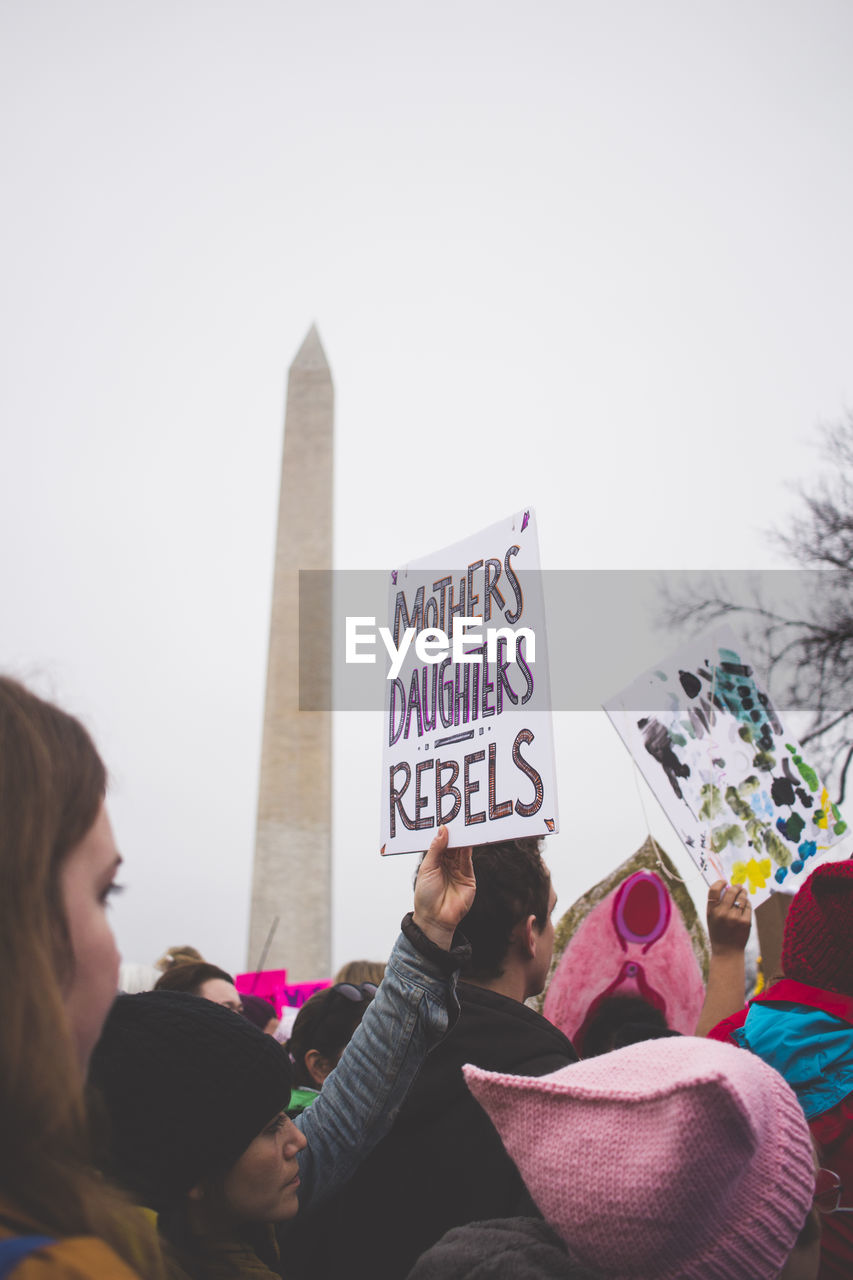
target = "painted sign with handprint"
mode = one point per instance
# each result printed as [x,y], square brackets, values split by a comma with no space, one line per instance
[736,786]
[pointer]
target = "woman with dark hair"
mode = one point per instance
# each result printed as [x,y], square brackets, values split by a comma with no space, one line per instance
[201,979]
[197,1098]
[59,962]
[323,1028]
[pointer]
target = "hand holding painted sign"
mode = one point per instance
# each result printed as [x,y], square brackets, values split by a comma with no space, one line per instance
[468,740]
[734,784]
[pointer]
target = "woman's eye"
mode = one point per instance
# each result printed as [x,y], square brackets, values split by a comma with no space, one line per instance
[111,890]
[277,1124]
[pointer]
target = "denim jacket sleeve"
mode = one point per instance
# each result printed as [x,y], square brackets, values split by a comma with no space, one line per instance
[413,1008]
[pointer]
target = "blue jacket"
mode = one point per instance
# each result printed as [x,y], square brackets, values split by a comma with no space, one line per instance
[414,1006]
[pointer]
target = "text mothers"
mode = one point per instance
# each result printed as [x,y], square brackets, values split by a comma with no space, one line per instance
[460,691]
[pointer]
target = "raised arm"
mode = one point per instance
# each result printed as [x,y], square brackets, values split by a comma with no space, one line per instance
[444,891]
[412,1010]
[729,923]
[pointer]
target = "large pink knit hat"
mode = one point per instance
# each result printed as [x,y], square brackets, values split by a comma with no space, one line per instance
[672,1158]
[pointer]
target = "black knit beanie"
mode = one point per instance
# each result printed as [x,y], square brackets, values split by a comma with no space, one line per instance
[186,1086]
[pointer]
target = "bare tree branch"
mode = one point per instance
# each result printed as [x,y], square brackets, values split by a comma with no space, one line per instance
[807,649]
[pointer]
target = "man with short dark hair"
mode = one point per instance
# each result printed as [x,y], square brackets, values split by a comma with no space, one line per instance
[511,931]
[443,1164]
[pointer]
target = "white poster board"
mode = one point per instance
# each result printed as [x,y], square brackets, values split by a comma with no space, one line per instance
[738,789]
[468,740]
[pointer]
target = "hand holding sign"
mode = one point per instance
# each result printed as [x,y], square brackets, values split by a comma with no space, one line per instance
[444,890]
[729,917]
[729,922]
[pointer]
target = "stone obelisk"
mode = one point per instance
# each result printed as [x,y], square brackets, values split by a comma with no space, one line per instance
[292,872]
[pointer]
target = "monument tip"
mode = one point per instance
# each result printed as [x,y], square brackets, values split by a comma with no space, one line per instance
[311,354]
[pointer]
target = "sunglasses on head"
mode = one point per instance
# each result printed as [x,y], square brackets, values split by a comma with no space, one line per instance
[364,991]
[827,1193]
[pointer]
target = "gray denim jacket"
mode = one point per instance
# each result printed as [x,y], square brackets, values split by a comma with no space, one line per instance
[414,1007]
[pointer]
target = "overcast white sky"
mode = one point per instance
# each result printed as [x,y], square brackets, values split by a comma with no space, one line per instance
[590,256]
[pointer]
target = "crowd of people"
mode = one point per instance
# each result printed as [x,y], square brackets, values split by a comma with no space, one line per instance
[421,1121]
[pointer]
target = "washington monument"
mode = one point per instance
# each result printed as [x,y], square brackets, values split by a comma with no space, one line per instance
[292,871]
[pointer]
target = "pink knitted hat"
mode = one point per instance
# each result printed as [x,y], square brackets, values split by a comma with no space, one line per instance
[672,1158]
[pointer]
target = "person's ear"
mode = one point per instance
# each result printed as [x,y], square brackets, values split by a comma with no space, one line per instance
[317,1066]
[531,933]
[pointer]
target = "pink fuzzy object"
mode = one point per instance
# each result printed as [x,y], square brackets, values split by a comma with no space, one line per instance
[633,943]
[671,1158]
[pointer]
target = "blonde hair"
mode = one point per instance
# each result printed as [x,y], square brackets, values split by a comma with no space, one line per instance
[177,955]
[358,971]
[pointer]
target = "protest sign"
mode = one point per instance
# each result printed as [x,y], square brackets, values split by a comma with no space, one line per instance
[271,984]
[295,994]
[468,741]
[735,785]
[263,982]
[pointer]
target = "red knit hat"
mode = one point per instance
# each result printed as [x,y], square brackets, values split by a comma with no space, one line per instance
[818,944]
